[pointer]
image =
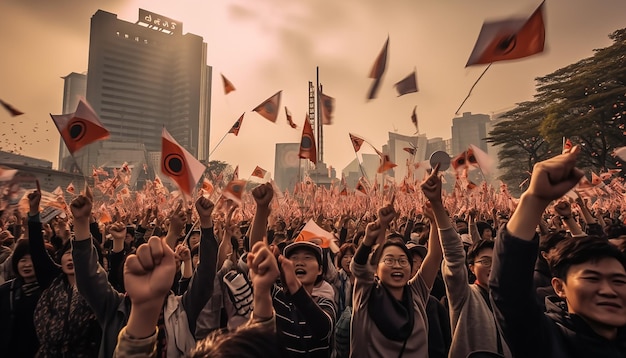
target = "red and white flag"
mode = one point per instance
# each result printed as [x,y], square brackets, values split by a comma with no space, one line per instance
[80,128]
[178,164]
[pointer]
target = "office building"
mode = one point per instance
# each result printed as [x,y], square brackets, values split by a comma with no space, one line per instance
[469,129]
[143,76]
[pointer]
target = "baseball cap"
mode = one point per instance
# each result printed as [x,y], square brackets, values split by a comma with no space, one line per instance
[417,248]
[303,245]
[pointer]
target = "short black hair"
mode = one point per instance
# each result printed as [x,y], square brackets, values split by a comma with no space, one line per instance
[476,247]
[550,241]
[575,251]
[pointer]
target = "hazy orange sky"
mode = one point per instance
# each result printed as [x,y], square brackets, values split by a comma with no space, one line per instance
[264,46]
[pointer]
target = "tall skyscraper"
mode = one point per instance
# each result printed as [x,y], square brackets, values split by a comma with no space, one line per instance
[146,75]
[469,129]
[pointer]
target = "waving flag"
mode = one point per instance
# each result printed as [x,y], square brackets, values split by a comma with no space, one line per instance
[228,86]
[237,126]
[269,107]
[12,110]
[385,164]
[290,119]
[328,106]
[357,142]
[509,39]
[409,150]
[178,164]
[414,120]
[378,70]
[307,144]
[259,172]
[80,128]
[407,85]
[234,190]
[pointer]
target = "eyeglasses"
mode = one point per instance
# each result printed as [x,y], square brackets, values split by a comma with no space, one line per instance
[403,262]
[484,262]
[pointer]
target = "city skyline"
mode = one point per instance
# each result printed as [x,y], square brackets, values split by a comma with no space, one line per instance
[270,45]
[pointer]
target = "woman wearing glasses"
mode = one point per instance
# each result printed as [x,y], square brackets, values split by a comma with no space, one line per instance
[389,306]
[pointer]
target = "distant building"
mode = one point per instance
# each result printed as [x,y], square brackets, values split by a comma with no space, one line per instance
[74,87]
[396,149]
[352,171]
[469,129]
[143,76]
[287,171]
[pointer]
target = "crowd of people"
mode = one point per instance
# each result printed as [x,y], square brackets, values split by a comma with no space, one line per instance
[411,273]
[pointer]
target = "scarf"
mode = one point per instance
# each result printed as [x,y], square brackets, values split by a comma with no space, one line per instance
[393,318]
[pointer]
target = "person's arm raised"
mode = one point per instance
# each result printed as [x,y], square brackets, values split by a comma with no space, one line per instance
[262,195]
[550,180]
[263,273]
[431,188]
[178,218]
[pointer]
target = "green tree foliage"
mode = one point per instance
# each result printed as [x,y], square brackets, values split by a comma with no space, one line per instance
[584,102]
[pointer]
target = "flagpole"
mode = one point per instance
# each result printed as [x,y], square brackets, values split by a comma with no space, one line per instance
[472,88]
[218,144]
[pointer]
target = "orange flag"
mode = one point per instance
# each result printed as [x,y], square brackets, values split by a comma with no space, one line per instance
[207,186]
[178,164]
[385,164]
[509,39]
[12,110]
[357,142]
[290,118]
[80,128]
[237,126]
[307,144]
[228,86]
[328,106]
[234,190]
[269,107]
[407,85]
[259,172]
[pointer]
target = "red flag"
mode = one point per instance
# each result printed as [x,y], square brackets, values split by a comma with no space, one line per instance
[414,119]
[407,85]
[228,86]
[459,162]
[269,107]
[179,164]
[70,188]
[234,190]
[343,192]
[595,179]
[237,126]
[328,106]
[14,112]
[360,189]
[378,69]
[385,164]
[80,128]
[357,142]
[409,150]
[259,172]
[307,144]
[290,118]
[509,39]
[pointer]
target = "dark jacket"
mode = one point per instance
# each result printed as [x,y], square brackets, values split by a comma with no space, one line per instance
[17,329]
[65,324]
[528,331]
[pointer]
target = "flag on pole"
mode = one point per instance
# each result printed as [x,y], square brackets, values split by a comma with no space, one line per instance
[178,164]
[290,118]
[269,107]
[259,172]
[509,39]
[312,232]
[234,190]
[478,157]
[228,86]
[207,186]
[71,189]
[328,107]
[407,85]
[409,150]
[237,126]
[357,142]
[307,144]
[80,128]
[236,173]
[12,110]
[378,70]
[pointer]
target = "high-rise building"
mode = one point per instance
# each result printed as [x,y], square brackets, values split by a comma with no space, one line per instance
[146,75]
[469,129]
[399,155]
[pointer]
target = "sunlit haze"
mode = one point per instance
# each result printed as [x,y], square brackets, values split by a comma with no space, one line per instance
[263,46]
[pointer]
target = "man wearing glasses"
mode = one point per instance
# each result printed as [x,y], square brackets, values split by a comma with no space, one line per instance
[472,321]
